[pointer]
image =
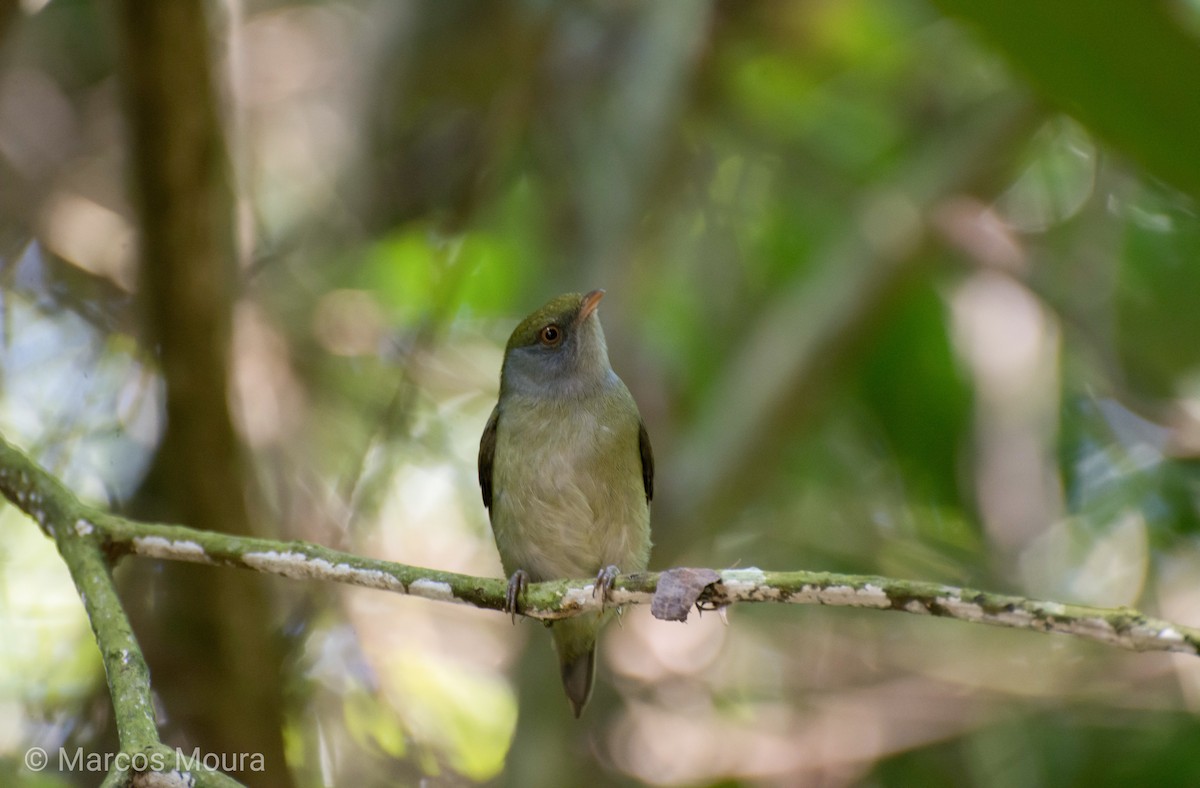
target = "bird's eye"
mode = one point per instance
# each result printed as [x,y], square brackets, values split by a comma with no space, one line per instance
[550,335]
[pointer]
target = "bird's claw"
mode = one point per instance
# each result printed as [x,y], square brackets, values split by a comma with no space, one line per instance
[516,589]
[605,580]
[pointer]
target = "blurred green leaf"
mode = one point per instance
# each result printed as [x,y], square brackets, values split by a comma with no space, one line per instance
[920,396]
[1128,70]
[1157,319]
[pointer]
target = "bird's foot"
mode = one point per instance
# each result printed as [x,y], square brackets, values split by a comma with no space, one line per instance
[604,582]
[516,589]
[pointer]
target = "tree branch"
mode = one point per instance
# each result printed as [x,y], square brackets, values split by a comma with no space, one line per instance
[548,601]
[61,514]
[70,523]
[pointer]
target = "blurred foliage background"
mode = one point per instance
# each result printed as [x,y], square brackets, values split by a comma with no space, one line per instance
[901,287]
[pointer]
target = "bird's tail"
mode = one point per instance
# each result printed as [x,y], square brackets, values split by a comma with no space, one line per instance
[575,642]
[578,678]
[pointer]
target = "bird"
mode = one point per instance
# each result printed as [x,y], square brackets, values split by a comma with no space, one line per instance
[567,472]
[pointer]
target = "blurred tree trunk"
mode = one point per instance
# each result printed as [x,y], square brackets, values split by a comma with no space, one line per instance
[8,12]
[206,633]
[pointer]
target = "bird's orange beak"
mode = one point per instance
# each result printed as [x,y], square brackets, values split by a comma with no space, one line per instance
[590,302]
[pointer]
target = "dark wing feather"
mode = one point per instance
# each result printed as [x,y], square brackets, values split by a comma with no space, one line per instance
[647,460]
[487,453]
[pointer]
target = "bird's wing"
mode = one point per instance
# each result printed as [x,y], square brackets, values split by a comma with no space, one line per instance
[487,453]
[643,449]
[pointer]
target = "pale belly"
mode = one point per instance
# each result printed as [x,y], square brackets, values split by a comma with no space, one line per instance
[571,502]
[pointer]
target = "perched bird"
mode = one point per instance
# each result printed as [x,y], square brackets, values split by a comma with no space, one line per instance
[566,471]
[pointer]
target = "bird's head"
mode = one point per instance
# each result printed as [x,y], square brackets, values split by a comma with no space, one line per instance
[558,350]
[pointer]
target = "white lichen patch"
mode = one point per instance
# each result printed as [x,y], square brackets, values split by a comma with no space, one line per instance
[747,585]
[849,596]
[294,565]
[300,566]
[619,596]
[807,595]
[432,589]
[955,606]
[580,598]
[1097,627]
[965,610]
[1054,608]
[751,576]
[1171,634]
[83,527]
[872,591]
[158,547]
[371,578]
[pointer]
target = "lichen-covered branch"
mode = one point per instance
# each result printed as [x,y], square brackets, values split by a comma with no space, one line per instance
[1123,627]
[52,505]
[64,518]
[81,543]
[124,665]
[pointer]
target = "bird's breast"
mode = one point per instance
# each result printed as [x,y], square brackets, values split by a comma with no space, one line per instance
[568,497]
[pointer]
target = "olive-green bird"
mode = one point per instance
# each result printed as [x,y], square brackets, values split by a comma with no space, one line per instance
[566,471]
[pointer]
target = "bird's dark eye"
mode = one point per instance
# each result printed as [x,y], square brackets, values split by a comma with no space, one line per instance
[550,335]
